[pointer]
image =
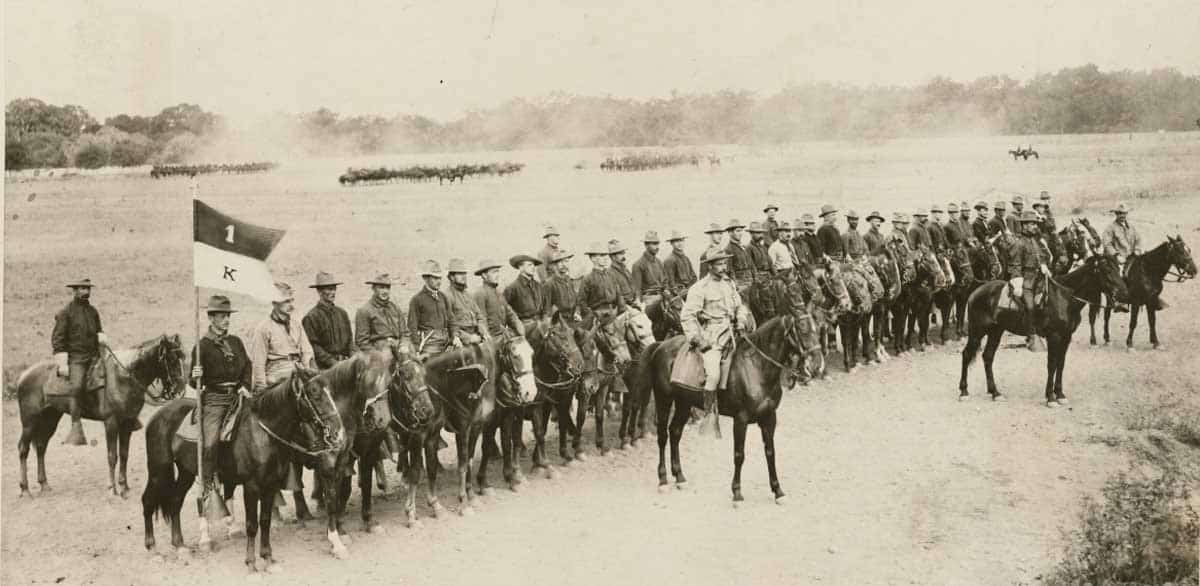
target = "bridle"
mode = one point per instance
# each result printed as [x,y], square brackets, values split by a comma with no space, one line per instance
[792,336]
[1178,273]
[306,406]
[168,377]
[560,363]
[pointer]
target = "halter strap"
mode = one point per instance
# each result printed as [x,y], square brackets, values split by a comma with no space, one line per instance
[292,445]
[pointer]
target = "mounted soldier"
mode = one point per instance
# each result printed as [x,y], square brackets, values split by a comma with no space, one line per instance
[678,269]
[560,297]
[781,253]
[979,228]
[898,243]
[1015,220]
[964,219]
[526,295]
[600,298]
[649,274]
[937,234]
[712,317]
[380,323]
[551,236]
[828,236]
[1043,202]
[76,341]
[498,314]
[954,235]
[468,324]
[853,243]
[621,274]
[429,314]
[741,266]
[222,365]
[804,241]
[759,258]
[918,235]
[770,225]
[1122,240]
[716,237]
[1030,261]
[874,238]
[327,325]
[278,343]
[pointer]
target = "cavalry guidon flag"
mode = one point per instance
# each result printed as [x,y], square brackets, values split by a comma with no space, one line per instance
[230,254]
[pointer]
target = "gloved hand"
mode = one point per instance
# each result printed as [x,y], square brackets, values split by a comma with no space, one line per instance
[60,359]
[197,372]
[102,338]
[457,343]
[472,339]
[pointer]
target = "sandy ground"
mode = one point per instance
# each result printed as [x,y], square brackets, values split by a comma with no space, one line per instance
[890,479]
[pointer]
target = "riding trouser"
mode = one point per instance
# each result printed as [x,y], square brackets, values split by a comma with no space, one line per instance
[77,374]
[217,403]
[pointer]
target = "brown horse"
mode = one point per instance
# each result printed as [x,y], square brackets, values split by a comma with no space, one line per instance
[1065,298]
[296,416]
[159,359]
[516,388]
[1145,281]
[752,395]
[664,315]
[610,362]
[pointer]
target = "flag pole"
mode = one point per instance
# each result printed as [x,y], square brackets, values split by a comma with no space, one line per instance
[200,477]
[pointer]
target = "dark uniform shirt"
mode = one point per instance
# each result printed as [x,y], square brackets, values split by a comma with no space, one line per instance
[376,321]
[1027,256]
[918,236]
[954,234]
[496,310]
[679,272]
[831,241]
[624,282]
[875,241]
[805,253]
[854,244]
[329,333]
[770,226]
[814,245]
[1013,221]
[559,296]
[428,312]
[226,368]
[979,228]
[649,276]
[75,331]
[601,288]
[741,267]
[997,225]
[937,237]
[760,259]
[526,297]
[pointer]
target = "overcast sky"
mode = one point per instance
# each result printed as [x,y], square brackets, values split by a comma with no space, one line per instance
[441,58]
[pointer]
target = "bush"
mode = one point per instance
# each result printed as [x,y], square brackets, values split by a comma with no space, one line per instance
[44,149]
[1141,532]
[132,151]
[15,154]
[91,156]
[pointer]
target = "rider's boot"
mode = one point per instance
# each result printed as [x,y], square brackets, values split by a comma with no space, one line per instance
[708,422]
[75,437]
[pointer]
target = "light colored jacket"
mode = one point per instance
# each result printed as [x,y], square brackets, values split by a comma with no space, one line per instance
[711,307]
[1121,240]
[781,256]
[271,347]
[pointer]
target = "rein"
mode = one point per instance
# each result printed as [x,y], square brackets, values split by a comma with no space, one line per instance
[156,399]
[292,445]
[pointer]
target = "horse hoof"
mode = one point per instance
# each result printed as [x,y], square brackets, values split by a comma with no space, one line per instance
[1051,404]
[338,553]
[963,398]
[1061,400]
[46,488]
[236,531]
[438,509]
[415,524]
[781,500]
[376,529]
[605,452]
[998,398]
[681,485]
[25,493]
[514,486]
[582,457]
[551,473]
[1160,347]
[205,546]
[664,488]
[467,511]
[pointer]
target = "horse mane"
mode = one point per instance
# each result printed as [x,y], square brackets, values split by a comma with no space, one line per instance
[274,398]
[345,373]
[129,356]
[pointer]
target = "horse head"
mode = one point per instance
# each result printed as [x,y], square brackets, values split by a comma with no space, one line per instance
[408,388]
[834,288]
[319,415]
[169,359]
[559,351]
[929,268]
[1179,254]
[804,336]
[611,343]
[1108,272]
[515,359]
[639,331]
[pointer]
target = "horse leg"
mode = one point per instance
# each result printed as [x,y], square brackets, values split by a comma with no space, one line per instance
[678,421]
[266,504]
[970,351]
[946,309]
[989,355]
[848,356]
[430,470]
[923,325]
[464,471]
[739,456]
[541,413]
[601,406]
[27,433]
[1151,321]
[472,441]
[1052,349]
[661,417]
[178,495]
[566,426]
[1093,311]
[506,450]
[123,460]
[366,470]
[1107,315]
[516,423]
[1133,316]
[331,492]
[1062,366]
[250,500]
[112,432]
[766,424]
[41,441]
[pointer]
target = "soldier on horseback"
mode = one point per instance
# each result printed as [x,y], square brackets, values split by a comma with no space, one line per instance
[649,275]
[76,342]
[741,266]
[979,228]
[770,225]
[526,295]
[559,291]
[1121,239]
[759,258]
[498,314]
[918,234]
[828,237]
[712,317]
[808,234]
[1015,221]
[678,269]
[874,239]
[551,235]
[278,343]
[781,253]
[1030,260]
[327,325]
[223,367]
[621,274]
[716,236]
[468,324]
[937,234]
[600,296]
[380,323]
[953,232]
[429,314]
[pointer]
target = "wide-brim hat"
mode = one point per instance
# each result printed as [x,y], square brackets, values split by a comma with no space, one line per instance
[1000,205]
[952,208]
[899,218]
[981,205]
[431,268]
[380,279]
[676,235]
[651,237]
[808,219]
[80,283]
[561,255]
[457,265]
[324,279]
[770,207]
[1039,203]
[1122,208]
[515,261]
[219,304]
[1018,200]
[597,249]
[716,253]
[876,214]
[1030,216]
[713,228]
[936,209]
[550,231]
[615,246]
[963,205]
[1044,195]
[283,293]
[756,227]
[851,214]
[784,227]
[827,209]
[486,265]
[920,213]
[734,224]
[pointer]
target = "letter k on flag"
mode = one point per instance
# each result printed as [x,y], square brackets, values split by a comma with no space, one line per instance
[230,254]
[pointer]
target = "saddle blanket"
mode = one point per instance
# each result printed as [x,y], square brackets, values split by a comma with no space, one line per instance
[58,386]
[687,370]
[189,429]
[1012,297]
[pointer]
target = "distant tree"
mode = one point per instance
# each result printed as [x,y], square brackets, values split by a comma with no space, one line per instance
[92,156]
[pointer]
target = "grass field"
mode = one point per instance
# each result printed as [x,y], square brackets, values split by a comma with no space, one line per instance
[892,479]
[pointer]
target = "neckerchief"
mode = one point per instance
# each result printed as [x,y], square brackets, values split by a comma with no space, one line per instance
[221,341]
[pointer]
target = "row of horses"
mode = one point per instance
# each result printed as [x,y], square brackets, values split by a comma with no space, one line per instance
[1023,152]
[332,419]
[648,161]
[419,173]
[161,171]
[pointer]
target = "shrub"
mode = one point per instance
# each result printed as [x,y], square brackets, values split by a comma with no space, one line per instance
[132,151]
[91,156]
[44,149]
[1140,532]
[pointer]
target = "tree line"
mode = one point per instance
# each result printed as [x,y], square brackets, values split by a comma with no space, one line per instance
[1072,100]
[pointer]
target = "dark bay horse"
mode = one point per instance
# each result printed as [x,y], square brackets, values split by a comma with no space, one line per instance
[952,301]
[118,405]
[826,315]
[930,278]
[752,395]
[855,322]
[296,416]
[664,315]
[1145,281]
[359,386]
[1062,309]
[611,362]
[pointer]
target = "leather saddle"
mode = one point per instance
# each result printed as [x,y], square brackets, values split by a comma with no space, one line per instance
[59,386]
[189,430]
[1011,299]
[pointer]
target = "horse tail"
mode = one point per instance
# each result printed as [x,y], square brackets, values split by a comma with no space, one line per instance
[160,491]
